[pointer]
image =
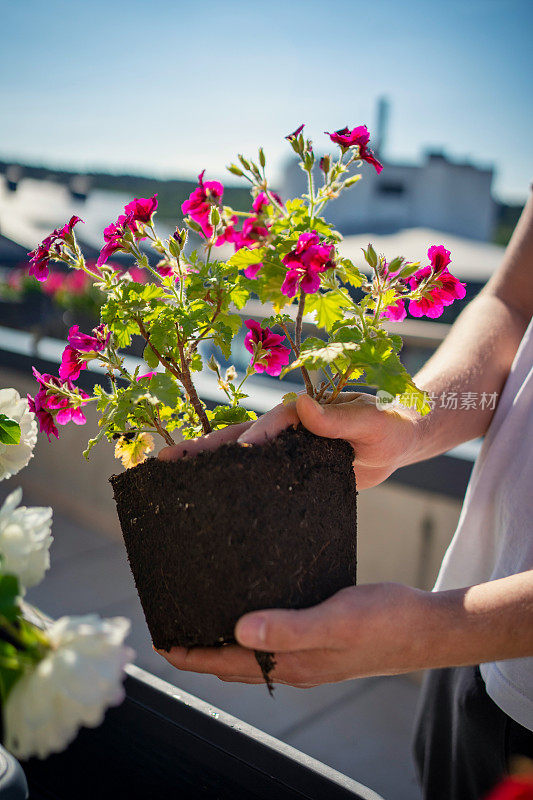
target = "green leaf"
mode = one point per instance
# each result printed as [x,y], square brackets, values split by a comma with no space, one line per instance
[245,257]
[150,357]
[9,430]
[349,273]
[329,307]
[317,354]
[222,416]
[9,593]
[165,388]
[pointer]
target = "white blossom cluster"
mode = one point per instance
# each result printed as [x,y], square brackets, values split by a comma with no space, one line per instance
[78,671]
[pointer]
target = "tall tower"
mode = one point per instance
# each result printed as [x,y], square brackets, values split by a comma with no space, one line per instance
[382,124]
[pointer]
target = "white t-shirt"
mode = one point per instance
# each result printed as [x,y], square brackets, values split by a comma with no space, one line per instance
[494,536]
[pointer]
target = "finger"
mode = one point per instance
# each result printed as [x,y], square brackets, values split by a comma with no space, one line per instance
[212,441]
[283,630]
[342,420]
[227,660]
[270,424]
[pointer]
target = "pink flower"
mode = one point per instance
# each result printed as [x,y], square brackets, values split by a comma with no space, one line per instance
[148,375]
[439,257]
[229,234]
[443,287]
[357,137]
[141,209]
[66,230]
[262,201]
[395,312]
[50,249]
[251,235]
[48,403]
[86,343]
[198,205]
[55,283]
[44,418]
[71,364]
[295,133]
[137,275]
[305,263]
[449,288]
[76,282]
[259,338]
[252,270]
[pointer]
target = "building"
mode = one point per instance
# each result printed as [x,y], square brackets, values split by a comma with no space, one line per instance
[437,193]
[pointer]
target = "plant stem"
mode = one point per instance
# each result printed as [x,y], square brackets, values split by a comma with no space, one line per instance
[189,387]
[298,343]
[162,432]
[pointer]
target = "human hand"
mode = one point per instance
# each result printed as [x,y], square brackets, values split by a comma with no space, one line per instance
[382,439]
[374,629]
[191,447]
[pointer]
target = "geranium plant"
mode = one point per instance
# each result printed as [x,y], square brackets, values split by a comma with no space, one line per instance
[286,254]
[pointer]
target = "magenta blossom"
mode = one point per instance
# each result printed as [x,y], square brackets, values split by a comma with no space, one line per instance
[229,234]
[113,235]
[305,263]
[251,235]
[50,248]
[44,418]
[357,137]
[395,312]
[148,375]
[86,343]
[261,201]
[198,205]
[259,338]
[72,362]
[295,133]
[439,257]
[141,209]
[252,270]
[48,404]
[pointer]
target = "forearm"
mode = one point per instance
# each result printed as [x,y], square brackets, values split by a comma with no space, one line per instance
[477,354]
[475,357]
[489,622]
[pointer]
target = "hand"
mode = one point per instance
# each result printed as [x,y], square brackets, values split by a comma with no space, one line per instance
[382,439]
[374,629]
[190,447]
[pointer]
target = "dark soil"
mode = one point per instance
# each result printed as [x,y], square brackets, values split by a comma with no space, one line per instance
[238,529]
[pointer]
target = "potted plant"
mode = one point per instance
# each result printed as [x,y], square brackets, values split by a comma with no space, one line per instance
[212,537]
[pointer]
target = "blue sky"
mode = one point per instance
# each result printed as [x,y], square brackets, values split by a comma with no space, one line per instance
[168,87]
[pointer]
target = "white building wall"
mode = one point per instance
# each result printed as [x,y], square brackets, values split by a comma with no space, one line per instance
[455,198]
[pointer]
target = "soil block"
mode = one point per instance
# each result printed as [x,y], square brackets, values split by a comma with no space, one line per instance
[238,529]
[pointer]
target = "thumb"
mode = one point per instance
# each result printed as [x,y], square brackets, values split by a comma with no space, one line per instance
[282,630]
[333,420]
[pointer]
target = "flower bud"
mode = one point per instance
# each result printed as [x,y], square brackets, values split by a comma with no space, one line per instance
[244,162]
[193,225]
[231,373]
[350,181]
[214,217]
[370,256]
[214,365]
[234,169]
[262,159]
[325,164]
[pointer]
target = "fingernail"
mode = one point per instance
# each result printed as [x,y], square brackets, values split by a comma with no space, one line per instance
[251,631]
[243,438]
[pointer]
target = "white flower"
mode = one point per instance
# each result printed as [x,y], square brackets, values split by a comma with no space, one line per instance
[13,457]
[72,686]
[25,540]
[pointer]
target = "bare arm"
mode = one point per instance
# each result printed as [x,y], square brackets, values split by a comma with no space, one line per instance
[377,629]
[477,354]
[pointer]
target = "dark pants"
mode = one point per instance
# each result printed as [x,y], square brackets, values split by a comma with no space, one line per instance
[463,740]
